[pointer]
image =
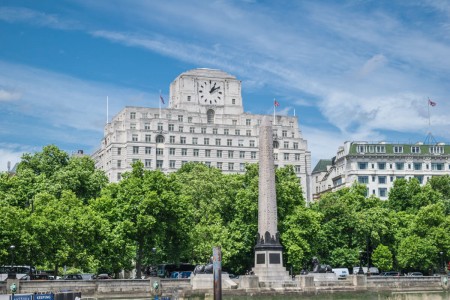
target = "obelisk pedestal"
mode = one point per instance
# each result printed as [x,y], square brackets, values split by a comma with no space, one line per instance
[268,250]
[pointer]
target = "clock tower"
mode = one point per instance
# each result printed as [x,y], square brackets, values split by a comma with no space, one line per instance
[201,90]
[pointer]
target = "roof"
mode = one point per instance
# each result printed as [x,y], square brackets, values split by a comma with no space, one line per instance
[322,165]
[388,148]
[204,72]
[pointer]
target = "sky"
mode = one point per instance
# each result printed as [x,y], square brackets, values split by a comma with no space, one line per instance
[350,70]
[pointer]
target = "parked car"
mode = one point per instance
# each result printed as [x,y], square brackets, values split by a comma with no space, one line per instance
[102,276]
[73,277]
[341,272]
[415,274]
[391,273]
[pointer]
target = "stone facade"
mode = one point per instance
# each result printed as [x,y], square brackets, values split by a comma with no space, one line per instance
[204,122]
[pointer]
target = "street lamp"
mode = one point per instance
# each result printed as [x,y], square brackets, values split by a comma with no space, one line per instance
[12,247]
[155,267]
[442,268]
[360,271]
[12,272]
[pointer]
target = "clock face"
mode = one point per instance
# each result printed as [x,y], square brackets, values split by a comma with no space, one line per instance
[210,92]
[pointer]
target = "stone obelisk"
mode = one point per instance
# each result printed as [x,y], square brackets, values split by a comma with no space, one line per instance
[268,250]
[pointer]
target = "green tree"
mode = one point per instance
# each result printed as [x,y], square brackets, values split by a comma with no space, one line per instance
[382,258]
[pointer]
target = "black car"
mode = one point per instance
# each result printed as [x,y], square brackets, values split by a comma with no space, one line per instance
[73,277]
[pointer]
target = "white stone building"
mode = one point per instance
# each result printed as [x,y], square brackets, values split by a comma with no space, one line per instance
[204,122]
[378,164]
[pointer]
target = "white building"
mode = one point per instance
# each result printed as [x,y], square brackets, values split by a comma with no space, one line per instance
[204,122]
[378,164]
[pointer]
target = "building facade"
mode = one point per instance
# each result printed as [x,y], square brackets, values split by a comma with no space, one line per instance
[204,122]
[377,165]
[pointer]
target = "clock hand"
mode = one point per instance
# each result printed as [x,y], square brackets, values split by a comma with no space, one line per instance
[213,88]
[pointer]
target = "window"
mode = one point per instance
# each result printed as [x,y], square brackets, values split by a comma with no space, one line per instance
[297,169]
[237,132]
[241,143]
[156,116]
[159,151]
[171,151]
[381,166]
[207,153]
[382,179]
[363,179]
[180,128]
[210,116]
[189,98]
[248,133]
[189,119]
[147,126]
[217,142]
[219,165]
[241,154]
[420,178]
[242,167]
[134,160]
[361,148]
[230,166]
[135,150]
[229,142]
[276,145]
[214,130]
[253,155]
[160,126]
[206,141]
[382,192]
[119,151]
[226,131]
[233,101]
[295,145]
[286,145]
[436,149]
[248,122]
[194,141]
[392,178]
[219,153]
[252,143]
[172,164]
[415,149]
[196,151]
[172,139]
[159,164]
[437,166]
[119,176]
[208,163]
[284,133]
[373,178]
[230,153]
[132,115]
[148,138]
[362,165]
[171,127]
[148,163]
[133,126]
[398,149]
[159,139]
[180,118]
[148,150]
[234,122]
[286,156]
[184,152]
[400,166]
[297,156]
[275,156]
[169,116]
[134,137]
[203,130]
[182,140]
[119,163]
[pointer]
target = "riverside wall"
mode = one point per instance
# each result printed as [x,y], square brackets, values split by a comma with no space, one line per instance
[182,288]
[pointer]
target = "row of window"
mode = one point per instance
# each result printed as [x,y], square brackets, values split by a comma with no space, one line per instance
[384,179]
[401,166]
[207,153]
[398,149]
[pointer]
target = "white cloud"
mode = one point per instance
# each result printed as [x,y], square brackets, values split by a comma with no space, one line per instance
[9,95]
[10,155]
[372,64]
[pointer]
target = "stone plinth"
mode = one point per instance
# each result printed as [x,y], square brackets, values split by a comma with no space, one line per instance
[248,282]
[206,282]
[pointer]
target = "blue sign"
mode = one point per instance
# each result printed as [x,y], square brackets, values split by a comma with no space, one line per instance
[43,297]
[22,297]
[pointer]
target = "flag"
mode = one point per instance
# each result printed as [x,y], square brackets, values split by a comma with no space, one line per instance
[276,103]
[431,103]
[161,98]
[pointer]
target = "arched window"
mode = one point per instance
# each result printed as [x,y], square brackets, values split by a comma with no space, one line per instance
[210,115]
[160,139]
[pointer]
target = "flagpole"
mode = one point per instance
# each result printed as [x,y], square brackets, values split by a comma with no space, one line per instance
[274,107]
[159,100]
[107,110]
[429,119]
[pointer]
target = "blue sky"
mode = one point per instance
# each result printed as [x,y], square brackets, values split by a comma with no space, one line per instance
[351,70]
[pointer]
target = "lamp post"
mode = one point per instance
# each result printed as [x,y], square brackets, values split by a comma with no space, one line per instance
[155,267]
[442,268]
[12,247]
[360,271]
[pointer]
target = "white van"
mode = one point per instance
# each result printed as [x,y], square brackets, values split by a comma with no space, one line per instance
[341,273]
